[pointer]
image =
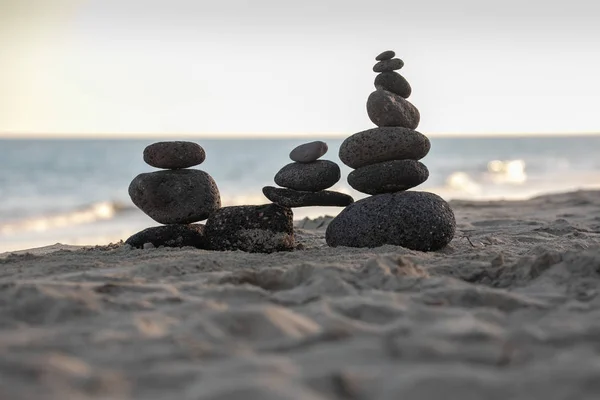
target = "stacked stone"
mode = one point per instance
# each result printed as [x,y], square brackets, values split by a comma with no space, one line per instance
[176,197]
[304,181]
[386,163]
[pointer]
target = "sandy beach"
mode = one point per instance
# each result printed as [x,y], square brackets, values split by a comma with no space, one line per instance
[509,310]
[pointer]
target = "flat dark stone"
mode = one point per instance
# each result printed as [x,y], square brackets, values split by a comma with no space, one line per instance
[174,155]
[388,176]
[386,55]
[393,82]
[309,152]
[311,177]
[294,198]
[255,229]
[415,220]
[383,144]
[179,196]
[170,236]
[388,109]
[388,65]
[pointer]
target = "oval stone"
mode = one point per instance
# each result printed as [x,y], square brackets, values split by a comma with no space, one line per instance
[388,109]
[393,82]
[383,144]
[296,198]
[311,177]
[386,55]
[388,65]
[179,196]
[415,220]
[309,152]
[388,176]
[174,155]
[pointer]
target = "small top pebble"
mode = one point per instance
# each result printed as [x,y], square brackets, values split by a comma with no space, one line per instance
[386,55]
[309,152]
[174,155]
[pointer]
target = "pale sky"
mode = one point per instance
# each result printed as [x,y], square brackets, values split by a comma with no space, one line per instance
[277,67]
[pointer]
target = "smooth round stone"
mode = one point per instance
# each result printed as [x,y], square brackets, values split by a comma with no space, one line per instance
[393,82]
[388,65]
[296,198]
[388,109]
[311,177]
[174,155]
[388,176]
[169,236]
[415,220]
[179,196]
[383,144]
[255,229]
[309,152]
[386,55]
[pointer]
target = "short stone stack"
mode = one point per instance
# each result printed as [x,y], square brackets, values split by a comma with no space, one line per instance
[386,163]
[304,181]
[176,197]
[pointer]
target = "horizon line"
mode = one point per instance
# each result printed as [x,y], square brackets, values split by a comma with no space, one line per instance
[253,135]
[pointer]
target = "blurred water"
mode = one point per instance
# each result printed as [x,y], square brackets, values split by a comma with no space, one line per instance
[75,191]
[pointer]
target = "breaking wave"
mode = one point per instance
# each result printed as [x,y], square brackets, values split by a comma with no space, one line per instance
[91,213]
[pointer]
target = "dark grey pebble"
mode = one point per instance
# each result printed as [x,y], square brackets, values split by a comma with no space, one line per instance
[393,82]
[415,220]
[174,155]
[309,152]
[179,196]
[386,55]
[388,176]
[296,198]
[388,65]
[383,144]
[255,229]
[388,109]
[169,236]
[311,177]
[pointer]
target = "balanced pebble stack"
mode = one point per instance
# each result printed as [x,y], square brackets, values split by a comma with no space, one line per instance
[176,197]
[386,163]
[304,181]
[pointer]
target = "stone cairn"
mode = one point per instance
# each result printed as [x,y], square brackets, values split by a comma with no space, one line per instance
[176,197]
[304,181]
[385,163]
[179,196]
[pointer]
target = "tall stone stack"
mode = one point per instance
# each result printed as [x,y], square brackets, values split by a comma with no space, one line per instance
[305,180]
[177,196]
[386,164]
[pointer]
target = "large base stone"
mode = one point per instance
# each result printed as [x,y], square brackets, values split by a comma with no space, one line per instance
[416,220]
[255,229]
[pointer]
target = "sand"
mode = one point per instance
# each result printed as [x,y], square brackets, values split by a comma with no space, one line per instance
[509,310]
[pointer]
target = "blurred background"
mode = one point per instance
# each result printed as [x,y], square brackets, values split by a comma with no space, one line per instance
[508,92]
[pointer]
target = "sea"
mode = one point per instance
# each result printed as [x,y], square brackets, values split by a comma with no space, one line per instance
[75,191]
